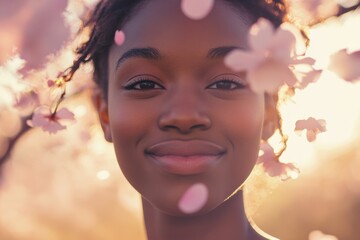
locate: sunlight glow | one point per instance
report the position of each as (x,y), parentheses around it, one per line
(103,175)
(331,98)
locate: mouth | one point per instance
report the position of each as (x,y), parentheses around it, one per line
(185,157)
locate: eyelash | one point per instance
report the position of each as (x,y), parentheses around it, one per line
(239,84)
(132,85)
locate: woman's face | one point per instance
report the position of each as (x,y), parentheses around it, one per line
(176,115)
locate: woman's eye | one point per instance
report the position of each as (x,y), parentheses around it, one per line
(143,85)
(227,85)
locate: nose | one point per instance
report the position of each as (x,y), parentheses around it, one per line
(184,113)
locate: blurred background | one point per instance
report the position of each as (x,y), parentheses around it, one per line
(68,186)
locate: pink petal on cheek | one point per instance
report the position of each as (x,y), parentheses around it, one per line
(194,198)
(119,37)
(196,9)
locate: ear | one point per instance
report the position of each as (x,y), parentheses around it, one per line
(271,118)
(101,106)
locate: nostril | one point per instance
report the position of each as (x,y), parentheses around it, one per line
(184,123)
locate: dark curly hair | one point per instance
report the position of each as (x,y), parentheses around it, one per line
(110,15)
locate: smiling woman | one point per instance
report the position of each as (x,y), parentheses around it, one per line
(186,128)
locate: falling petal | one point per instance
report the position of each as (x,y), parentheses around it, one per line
(197,9)
(194,198)
(119,37)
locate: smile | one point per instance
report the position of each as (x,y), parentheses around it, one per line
(185,157)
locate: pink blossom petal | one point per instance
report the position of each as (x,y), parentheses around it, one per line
(346,65)
(50,122)
(194,198)
(311,123)
(46,123)
(64,113)
(303,61)
(309,77)
(52,127)
(283,46)
(311,135)
(50,83)
(300,44)
(38,120)
(312,126)
(273,167)
(197,9)
(261,34)
(119,37)
(270,76)
(238,60)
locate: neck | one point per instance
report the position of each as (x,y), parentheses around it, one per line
(227,221)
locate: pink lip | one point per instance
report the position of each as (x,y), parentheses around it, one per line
(185,157)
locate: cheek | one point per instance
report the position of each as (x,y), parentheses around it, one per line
(243,121)
(129,123)
(242,128)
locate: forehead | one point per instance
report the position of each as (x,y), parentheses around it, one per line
(162,22)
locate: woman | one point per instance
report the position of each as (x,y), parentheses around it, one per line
(186,129)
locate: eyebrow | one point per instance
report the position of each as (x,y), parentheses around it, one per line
(154,54)
(147,53)
(220,52)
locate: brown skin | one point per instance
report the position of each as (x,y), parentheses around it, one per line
(188,97)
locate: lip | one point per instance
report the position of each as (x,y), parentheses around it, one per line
(185,157)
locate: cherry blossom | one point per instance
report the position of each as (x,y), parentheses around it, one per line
(196,9)
(272,53)
(273,167)
(346,65)
(318,235)
(312,127)
(119,37)
(51,122)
